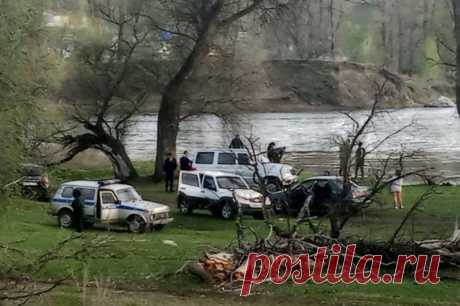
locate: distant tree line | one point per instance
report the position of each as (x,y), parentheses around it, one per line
(399,34)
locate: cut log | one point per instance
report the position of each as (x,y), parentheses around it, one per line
(198,270)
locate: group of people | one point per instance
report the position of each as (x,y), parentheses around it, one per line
(274,154)
(345,157)
(395,183)
(170,164)
(170,167)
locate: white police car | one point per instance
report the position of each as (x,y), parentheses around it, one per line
(217,192)
(109,202)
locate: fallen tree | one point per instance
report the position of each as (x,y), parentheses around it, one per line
(227,269)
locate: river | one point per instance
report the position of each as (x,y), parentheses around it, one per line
(309,136)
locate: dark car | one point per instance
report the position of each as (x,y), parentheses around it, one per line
(317,192)
(35,182)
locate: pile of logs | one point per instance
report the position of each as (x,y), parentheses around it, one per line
(227,269)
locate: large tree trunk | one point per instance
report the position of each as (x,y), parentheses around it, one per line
(170,107)
(456,4)
(332,28)
(122,165)
(167,130)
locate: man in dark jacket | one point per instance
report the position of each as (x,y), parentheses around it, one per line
(236,143)
(360,160)
(78,206)
(185,162)
(169,166)
(274,154)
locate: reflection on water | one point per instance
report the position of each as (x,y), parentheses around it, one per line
(308,136)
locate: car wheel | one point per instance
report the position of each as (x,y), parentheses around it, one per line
(158,227)
(227,210)
(65,218)
(183,206)
(136,224)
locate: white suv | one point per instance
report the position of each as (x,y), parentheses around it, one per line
(237,162)
(215,192)
(108,202)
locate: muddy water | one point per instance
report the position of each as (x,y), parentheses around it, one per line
(435,134)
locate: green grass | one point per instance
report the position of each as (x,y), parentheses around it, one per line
(144,262)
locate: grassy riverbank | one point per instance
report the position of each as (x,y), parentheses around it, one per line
(141,269)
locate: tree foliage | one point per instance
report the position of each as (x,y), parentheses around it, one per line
(107,84)
(23,78)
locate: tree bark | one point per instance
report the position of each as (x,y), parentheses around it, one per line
(168,129)
(332,28)
(112,148)
(122,165)
(399,38)
(456,4)
(170,107)
(311,45)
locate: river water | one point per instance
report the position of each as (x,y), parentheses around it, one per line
(434,133)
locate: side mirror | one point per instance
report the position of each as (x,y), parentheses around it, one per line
(118,202)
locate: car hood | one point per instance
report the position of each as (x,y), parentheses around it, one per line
(146,206)
(282,171)
(247,193)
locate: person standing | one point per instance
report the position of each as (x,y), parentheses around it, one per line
(270,151)
(78,207)
(169,167)
(185,162)
(360,160)
(236,143)
(274,154)
(396,184)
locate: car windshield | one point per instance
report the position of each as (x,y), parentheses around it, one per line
(128,195)
(32,170)
(354,186)
(231,183)
(338,183)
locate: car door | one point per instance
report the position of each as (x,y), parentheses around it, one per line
(89,196)
(108,206)
(324,193)
(190,186)
(209,190)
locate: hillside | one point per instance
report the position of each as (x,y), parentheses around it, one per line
(310,85)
